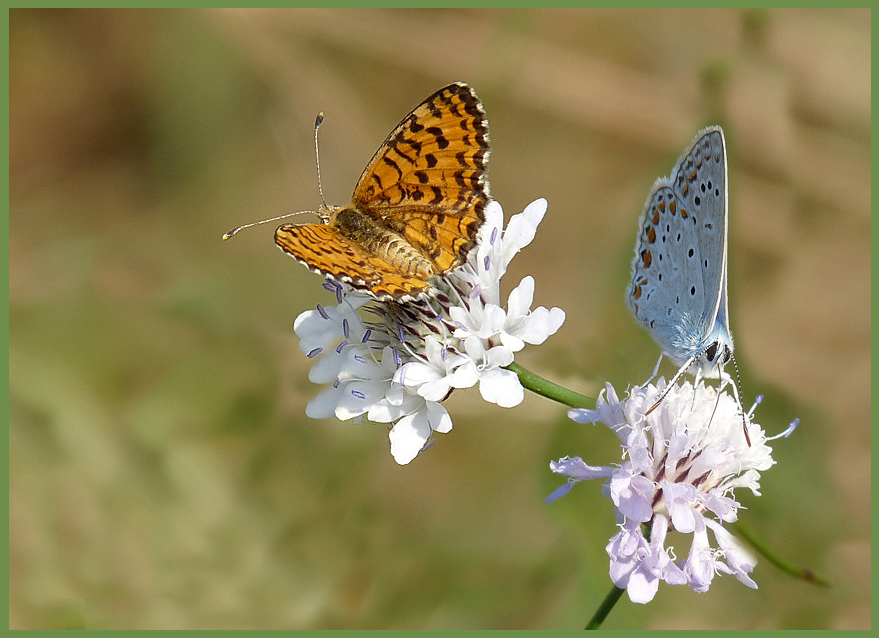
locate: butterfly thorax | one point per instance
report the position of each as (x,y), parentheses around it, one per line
(378,239)
(707,353)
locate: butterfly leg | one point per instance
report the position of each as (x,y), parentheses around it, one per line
(724,380)
(696,379)
(673,381)
(655,369)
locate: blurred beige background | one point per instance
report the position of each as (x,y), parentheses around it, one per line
(162,471)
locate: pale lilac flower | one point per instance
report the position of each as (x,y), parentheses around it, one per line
(680,466)
(400,363)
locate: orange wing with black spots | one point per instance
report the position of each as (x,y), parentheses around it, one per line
(324,250)
(417,208)
(430,176)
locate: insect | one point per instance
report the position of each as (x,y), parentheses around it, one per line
(417,207)
(679,283)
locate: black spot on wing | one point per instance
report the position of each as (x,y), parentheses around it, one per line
(441,141)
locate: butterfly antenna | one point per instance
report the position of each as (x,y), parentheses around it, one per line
(317,122)
(739,383)
(229,234)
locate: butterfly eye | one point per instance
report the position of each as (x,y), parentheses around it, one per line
(711,351)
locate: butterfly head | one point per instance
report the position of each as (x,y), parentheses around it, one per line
(713,358)
(326,213)
(717,349)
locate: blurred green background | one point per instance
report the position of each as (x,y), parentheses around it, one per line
(163,473)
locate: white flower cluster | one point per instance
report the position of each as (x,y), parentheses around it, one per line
(682,463)
(399,366)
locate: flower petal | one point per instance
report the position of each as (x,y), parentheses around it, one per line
(560,491)
(577,469)
(520,299)
(502,387)
(523,227)
(541,324)
(438,417)
(323,405)
(408,436)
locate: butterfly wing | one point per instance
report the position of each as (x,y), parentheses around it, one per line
(679,271)
(428,180)
(700,181)
(664,288)
(324,250)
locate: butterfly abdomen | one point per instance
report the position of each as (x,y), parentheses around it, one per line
(383,242)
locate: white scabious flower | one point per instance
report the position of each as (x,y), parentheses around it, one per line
(681,465)
(398,365)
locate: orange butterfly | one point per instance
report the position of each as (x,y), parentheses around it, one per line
(416,209)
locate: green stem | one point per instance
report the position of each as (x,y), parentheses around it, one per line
(606,605)
(550,390)
(803,573)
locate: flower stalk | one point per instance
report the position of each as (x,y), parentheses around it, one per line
(785,565)
(548,389)
(603,611)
